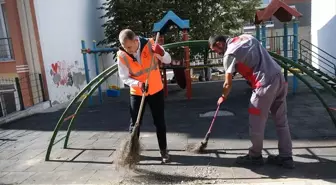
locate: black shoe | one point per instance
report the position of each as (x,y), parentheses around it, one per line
(249,160)
(164,156)
(131,125)
(286,162)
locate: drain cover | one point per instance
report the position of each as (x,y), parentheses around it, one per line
(220,113)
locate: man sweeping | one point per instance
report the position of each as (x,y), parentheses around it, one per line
(134,59)
(244,54)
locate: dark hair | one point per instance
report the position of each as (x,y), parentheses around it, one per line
(217,38)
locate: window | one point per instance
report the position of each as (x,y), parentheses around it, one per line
(5,41)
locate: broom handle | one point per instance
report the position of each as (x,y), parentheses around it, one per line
(146,83)
(213,120)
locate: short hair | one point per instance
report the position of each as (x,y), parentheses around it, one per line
(126,34)
(217,38)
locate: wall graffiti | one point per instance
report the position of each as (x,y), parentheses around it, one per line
(78,79)
(64,74)
(61,73)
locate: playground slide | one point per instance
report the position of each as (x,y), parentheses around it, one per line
(73,108)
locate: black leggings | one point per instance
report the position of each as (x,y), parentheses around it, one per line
(156,104)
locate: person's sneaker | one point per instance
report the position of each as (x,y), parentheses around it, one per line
(249,160)
(164,156)
(286,162)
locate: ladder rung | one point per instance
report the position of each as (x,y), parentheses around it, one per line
(296,69)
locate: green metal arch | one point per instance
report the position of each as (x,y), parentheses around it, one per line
(190,43)
(284,62)
(102,80)
(318,95)
(108,72)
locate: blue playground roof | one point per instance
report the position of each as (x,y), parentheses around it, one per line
(168,19)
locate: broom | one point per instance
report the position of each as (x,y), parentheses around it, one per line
(130,148)
(200,147)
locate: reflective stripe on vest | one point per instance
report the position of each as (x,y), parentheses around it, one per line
(143,71)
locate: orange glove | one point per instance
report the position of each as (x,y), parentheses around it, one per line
(220,100)
(158,49)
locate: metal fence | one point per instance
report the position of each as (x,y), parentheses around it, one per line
(6,49)
(276,44)
(9,98)
(14,95)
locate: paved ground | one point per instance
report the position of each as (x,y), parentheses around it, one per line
(99,130)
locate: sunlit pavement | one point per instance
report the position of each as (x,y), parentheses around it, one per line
(99,129)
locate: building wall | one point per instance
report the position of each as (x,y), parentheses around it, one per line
(61,26)
(304,7)
(35,66)
(323,22)
(17,67)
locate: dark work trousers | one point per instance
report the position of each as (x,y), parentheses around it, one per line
(156,105)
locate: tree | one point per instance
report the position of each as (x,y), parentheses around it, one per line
(206,17)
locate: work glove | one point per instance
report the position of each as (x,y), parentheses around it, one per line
(158,49)
(143,87)
(220,100)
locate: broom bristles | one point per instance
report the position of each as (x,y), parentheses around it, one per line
(130,149)
(196,148)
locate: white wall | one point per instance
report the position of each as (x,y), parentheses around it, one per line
(323,28)
(62,25)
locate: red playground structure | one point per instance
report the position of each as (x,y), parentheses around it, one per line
(182,74)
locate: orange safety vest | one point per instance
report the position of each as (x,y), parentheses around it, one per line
(140,71)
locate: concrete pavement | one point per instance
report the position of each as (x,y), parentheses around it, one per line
(99,130)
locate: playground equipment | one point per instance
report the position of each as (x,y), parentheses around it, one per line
(323,66)
(182,62)
(95,51)
(77,103)
(285,14)
(277,8)
(90,87)
(182,75)
(281,61)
